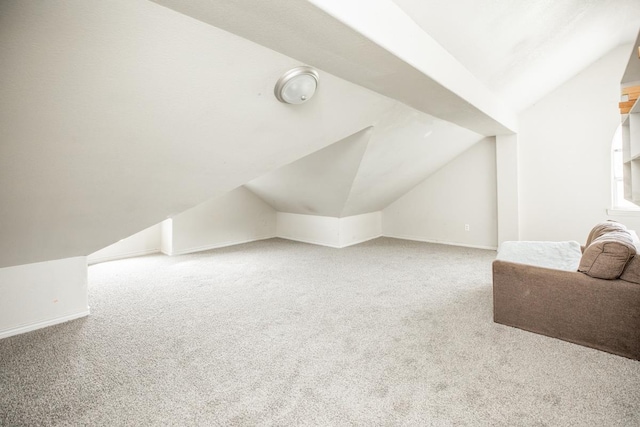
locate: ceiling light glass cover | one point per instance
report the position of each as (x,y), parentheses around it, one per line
(297,85)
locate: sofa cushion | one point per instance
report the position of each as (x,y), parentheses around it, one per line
(608,252)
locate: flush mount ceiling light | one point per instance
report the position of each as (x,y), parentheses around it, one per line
(297,85)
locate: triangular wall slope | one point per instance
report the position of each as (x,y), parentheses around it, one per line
(368,170)
(318,184)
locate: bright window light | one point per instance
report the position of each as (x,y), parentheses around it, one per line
(617,175)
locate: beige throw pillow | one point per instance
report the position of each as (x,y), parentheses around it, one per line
(610,249)
(603,228)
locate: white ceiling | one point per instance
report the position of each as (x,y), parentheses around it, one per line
(373,44)
(515,50)
(523,49)
(633,66)
(368,170)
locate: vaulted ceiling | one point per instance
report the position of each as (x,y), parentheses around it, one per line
(515,52)
(116,115)
(373,44)
(503,55)
(521,50)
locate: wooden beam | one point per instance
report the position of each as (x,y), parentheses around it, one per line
(625,106)
(630,89)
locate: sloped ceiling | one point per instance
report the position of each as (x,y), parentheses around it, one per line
(368,170)
(318,184)
(373,44)
(522,50)
(406,146)
(116,115)
(633,67)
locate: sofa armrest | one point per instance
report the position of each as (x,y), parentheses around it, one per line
(603,314)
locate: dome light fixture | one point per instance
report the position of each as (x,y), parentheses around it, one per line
(297,85)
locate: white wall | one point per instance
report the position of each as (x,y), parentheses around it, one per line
(318,230)
(329,231)
(42,294)
(166,236)
(565,154)
(462,192)
(145,242)
(508,198)
(360,228)
(237,217)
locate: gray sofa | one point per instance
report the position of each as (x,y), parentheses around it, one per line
(601,312)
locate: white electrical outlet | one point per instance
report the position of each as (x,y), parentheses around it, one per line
(466,227)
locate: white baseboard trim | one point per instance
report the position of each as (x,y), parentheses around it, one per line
(217,246)
(311,242)
(98,260)
(43,324)
(295,239)
(357,242)
(440,242)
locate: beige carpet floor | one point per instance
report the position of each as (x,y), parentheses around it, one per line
(279,333)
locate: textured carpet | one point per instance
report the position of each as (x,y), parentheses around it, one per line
(388,332)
